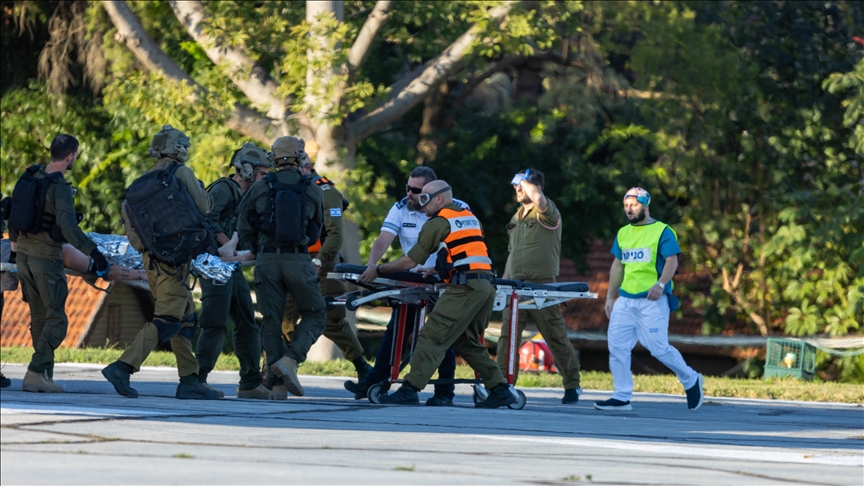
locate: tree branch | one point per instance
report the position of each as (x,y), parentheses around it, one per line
(130,31)
(251,78)
(367,34)
(435,72)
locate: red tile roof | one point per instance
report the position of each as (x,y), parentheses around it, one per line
(81,306)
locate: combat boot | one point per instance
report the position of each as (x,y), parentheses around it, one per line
(439,401)
(359,389)
(405,395)
(190,388)
(5,382)
(118,374)
(39,383)
(362,368)
(206,385)
(279,392)
(257,393)
(500,396)
(286,368)
(571,395)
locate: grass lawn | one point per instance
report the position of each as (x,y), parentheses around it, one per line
(772,388)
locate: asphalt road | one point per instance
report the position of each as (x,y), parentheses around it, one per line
(90,435)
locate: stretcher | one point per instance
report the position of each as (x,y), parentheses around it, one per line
(404,289)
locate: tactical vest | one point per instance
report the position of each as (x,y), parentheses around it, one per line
(163,216)
(230,224)
(284,219)
(639,250)
(316,247)
(463,249)
(27,206)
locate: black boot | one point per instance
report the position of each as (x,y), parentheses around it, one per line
(5,382)
(118,374)
(439,401)
(362,368)
(359,389)
(191,389)
(571,395)
(500,396)
(405,395)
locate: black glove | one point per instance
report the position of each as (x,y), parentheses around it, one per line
(98,263)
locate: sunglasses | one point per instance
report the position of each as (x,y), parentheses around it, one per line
(424,198)
(413,190)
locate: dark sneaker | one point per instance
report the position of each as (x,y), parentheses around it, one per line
(695,394)
(362,368)
(359,389)
(613,404)
(118,374)
(571,395)
(195,391)
(500,396)
(286,368)
(405,395)
(439,401)
(5,382)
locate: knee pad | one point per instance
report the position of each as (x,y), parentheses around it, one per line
(188,331)
(167,327)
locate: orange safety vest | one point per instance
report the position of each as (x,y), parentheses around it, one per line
(316,247)
(464,248)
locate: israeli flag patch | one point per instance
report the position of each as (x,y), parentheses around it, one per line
(335,212)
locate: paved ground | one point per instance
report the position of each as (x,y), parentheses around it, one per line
(90,435)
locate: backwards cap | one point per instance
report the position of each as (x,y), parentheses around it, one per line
(640,194)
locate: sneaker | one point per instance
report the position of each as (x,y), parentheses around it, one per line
(405,395)
(286,368)
(279,392)
(359,389)
(5,382)
(695,394)
(206,385)
(362,368)
(258,393)
(613,404)
(195,391)
(500,396)
(439,401)
(571,395)
(118,374)
(39,383)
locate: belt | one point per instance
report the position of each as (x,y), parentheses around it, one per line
(283,249)
(479,276)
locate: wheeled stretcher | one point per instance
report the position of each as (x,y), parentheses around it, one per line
(404,289)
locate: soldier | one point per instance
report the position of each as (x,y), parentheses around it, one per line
(43,218)
(462,313)
(219,301)
(535,250)
(280,217)
(174,315)
(4,382)
(325,255)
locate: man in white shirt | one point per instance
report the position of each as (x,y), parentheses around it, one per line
(405,220)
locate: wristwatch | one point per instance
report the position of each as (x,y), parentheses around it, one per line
(316,262)
(661,284)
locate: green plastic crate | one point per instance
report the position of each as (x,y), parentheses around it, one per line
(789,357)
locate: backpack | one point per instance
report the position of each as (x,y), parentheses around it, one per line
(163,215)
(26,212)
(285,217)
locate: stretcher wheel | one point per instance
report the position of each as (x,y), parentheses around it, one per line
(373,392)
(480,394)
(351,306)
(521,399)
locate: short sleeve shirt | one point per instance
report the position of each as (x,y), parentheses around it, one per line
(406,225)
(668,247)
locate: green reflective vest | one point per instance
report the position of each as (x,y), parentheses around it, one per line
(639,251)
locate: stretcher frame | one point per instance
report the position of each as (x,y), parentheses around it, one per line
(516,295)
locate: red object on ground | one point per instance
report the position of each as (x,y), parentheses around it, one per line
(535,355)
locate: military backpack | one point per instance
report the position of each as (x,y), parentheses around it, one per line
(27,205)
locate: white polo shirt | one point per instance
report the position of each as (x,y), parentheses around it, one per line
(406,225)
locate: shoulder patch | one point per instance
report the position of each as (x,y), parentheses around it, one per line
(335,212)
(401,204)
(325,187)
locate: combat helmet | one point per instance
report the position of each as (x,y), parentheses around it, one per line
(169,143)
(287,150)
(248,158)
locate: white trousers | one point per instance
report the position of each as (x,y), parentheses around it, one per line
(647,322)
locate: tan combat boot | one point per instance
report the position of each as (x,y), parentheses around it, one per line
(36,383)
(279,392)
(286,368)
(257,393)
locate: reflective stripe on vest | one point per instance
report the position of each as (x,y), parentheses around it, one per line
(466,249)
(639,247)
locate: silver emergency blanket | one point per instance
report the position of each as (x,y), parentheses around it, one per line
(117,250)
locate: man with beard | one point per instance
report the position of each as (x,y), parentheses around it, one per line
(646,258)
(405,220)
(535,250)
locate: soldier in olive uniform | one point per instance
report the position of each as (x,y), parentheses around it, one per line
(325,254)
(174,316)
(232,299)
(40,264)
(279,218)
(535,250)
(462,313)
